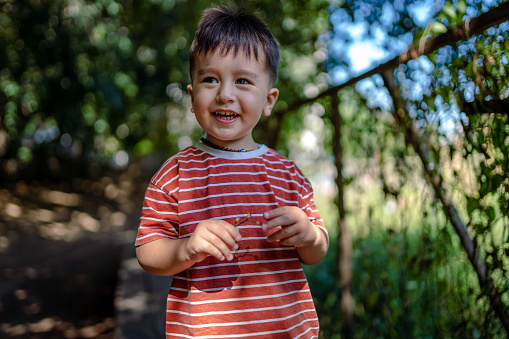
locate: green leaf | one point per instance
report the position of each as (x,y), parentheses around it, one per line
(490,212)
(438,27)
(479,229)
(461,5)
(449,12)
(496,181)
(446,236)
(144,147)
(472,204)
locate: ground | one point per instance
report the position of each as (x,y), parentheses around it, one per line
(61,245)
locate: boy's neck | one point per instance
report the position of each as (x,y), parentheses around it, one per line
(221,148)
(230,145)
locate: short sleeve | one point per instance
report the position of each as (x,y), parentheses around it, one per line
(159,215)
(307,204)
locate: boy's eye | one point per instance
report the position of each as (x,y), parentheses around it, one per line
(243,82)
(210,80)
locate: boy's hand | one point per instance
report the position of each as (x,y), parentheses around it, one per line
(296,230)
(214,237)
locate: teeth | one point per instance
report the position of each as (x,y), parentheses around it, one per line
(226,115)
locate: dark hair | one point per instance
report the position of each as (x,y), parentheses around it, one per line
(229,28)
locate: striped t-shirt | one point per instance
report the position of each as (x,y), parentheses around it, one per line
(262,292)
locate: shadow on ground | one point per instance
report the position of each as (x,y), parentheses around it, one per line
(65,251)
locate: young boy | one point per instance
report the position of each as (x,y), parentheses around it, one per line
(231,219)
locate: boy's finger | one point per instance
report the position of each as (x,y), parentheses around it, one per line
(216,253)
(234,232)
(284,233)
(282,220)
(226,231)
(219,248)
(227,237)
(269,215)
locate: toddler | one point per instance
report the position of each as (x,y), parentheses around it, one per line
(231,219)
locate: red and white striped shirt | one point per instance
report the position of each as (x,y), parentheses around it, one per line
(262,292)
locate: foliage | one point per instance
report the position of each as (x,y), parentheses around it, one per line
(407,283)
(463,109)
(366,31)
(458,98)
(89,85)
(411,278)
(84,81)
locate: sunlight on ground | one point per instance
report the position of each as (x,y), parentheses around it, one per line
(63,215)
(62,198)
(67,330)
(45,229)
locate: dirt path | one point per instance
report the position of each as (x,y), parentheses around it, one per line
(60,251)
(66,299)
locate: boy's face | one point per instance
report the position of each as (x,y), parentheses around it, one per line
(229,94)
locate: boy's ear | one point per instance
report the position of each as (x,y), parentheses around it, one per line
(271,101)
(190,91)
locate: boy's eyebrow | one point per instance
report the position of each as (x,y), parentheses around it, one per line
(243,72)
(202,71)
(239,72)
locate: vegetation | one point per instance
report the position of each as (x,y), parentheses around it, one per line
(87,87)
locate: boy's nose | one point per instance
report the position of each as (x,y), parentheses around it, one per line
(225,93)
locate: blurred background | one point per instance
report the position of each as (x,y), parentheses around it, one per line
(409,162)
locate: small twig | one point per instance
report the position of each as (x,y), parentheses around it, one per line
(248,218)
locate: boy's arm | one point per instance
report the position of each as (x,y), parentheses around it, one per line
(314,254)
(171,256)
(163,256)
(296,230)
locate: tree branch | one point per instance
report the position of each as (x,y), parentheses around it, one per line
(424,46)
(483,106)
(412,138)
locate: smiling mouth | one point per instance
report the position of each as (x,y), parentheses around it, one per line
(225,115)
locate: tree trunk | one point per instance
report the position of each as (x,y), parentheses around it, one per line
(412,138)
(344,242)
